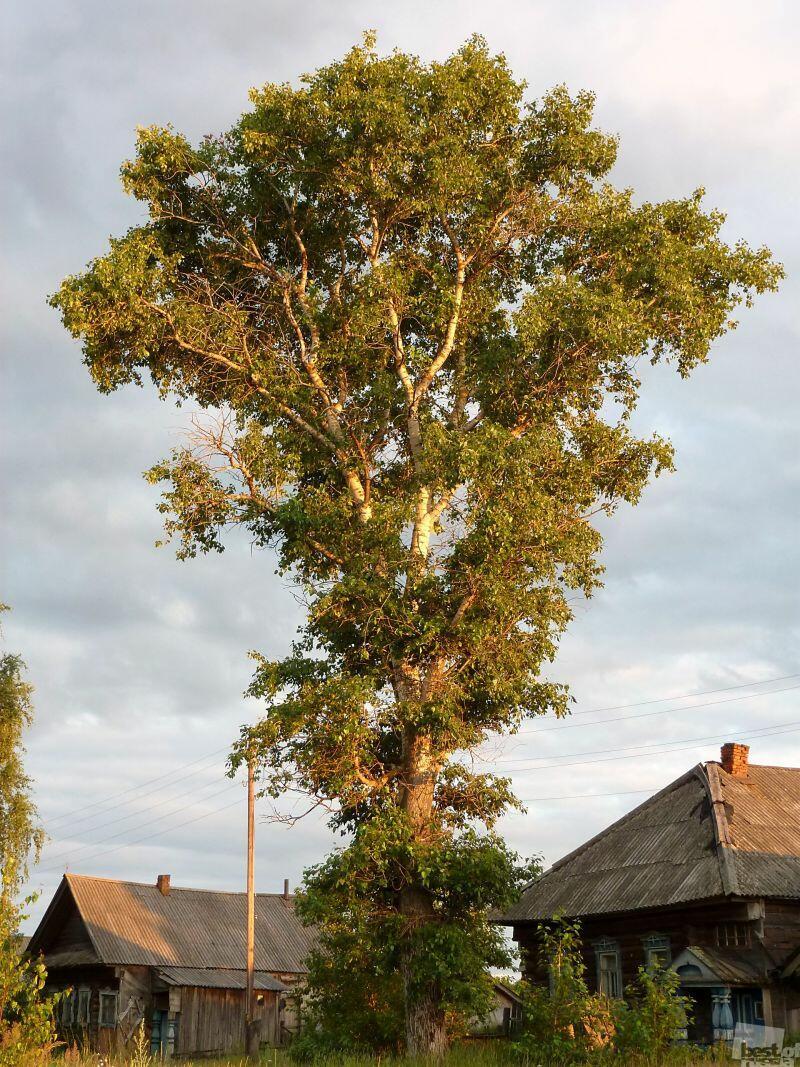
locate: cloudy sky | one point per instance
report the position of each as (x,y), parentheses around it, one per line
(140,661)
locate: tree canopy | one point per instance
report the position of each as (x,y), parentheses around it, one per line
(410,307)
(20,835)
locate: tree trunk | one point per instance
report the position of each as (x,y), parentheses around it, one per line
(426,1034)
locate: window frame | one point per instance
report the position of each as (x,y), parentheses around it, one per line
(733,934)
(68,1007)
(84,999)
(657,951)
(609,949)
(105,994)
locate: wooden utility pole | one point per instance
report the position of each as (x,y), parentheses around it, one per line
(250,1022)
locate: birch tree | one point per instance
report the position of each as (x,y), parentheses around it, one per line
(410,309)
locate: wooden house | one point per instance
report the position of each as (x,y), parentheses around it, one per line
(170,958)
(703,877)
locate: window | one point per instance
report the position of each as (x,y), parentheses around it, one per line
(84,1000)
(657,952)
(108,1009)
(733,935)
(609,971)
(68,1008)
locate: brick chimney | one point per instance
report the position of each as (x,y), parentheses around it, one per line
(733,758)
(162,882)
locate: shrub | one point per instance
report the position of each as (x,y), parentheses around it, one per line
(653,1016)
(27,1027)
(564,1023)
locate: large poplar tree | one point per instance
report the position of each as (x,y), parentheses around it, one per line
(412,308)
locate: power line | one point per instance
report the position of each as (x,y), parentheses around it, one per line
(686,696)
(148,822)
(104,802)
(776,731)
(661,711)
(585,796)
(147,837)
(135,788)
(156,804)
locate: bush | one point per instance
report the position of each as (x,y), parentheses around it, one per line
(653,1016)
(27,1027)
(564,1023)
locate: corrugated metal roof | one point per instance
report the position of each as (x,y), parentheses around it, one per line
(730,966)
(216,978)
(134,923)
(706,835)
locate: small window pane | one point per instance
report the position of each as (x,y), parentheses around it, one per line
(108,1009)
(733,935)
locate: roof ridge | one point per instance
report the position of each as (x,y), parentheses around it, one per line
(709,776)
(70,876)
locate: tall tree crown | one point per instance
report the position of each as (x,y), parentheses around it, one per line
(419,307)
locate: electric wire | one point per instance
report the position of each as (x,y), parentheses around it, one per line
(135,789)
(686,696)
(105,802)
(696,743)
(131,829)
(661,711)
(147,837)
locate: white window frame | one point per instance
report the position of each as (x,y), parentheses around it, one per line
(606,949)
(105,993)
(657,952)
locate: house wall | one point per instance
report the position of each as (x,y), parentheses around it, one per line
(683,926)
(774,934)
(95,979)
(212,1020)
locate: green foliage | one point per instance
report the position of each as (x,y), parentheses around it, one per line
(20,837)
(562,1022)
(26,1016)
(412,307)
(355,975)
(27,1020)
(653,1015)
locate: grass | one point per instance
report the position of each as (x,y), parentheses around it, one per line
(496,1053)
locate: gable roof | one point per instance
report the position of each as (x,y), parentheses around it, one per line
(707,835)
(130,923)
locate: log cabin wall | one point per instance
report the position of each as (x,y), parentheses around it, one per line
(90,1033)
(683,927)
(781,927)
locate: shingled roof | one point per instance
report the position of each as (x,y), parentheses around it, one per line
(130,923)
(708,835)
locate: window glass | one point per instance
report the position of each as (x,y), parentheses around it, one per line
(733,935)
(68,1008)
(84,999)
(609,978)
(108,1009)
(657,952)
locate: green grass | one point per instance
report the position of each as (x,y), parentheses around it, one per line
(495,1053)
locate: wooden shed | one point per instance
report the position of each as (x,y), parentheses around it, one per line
(169,959)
